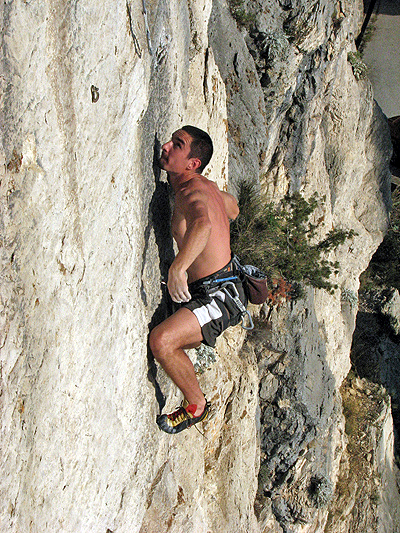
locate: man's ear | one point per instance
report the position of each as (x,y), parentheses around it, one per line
(194,163)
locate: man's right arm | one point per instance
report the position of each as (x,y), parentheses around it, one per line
(231,205)
(198,228)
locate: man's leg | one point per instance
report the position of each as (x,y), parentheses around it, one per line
(167,343)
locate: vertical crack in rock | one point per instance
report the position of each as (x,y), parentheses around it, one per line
(60,36)
(136,43)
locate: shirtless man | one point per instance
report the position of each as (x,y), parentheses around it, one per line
(200,227)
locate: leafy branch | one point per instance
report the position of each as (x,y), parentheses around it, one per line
(282,240)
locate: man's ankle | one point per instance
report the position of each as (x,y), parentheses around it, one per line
(200,409)
(200,405)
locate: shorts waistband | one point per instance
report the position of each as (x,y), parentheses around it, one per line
(226,271)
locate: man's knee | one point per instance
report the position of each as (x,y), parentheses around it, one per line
(158,341)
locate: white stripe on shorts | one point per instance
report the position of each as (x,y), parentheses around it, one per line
(209,312)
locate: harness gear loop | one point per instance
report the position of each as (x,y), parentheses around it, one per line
(239,304)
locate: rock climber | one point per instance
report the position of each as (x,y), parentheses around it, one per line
(202,277)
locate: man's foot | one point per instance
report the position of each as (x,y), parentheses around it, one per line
(182,418)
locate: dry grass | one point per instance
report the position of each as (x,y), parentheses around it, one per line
(357,491)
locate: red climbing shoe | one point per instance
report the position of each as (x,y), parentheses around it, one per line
(182,418)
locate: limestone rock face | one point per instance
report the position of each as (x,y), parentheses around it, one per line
(366,496)
(89,91)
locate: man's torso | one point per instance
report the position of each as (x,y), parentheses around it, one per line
(217,252)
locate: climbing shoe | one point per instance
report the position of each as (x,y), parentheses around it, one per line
(182,418)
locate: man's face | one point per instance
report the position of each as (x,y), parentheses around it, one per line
(175,153)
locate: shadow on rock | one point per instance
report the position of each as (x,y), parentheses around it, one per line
(375,355)
(159,217)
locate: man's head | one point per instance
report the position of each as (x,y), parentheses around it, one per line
(190,149)
(201,146)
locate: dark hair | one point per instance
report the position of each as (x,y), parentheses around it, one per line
(201,145)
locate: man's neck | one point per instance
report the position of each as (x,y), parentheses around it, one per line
(177,180)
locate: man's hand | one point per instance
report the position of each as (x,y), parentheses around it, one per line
(178,286)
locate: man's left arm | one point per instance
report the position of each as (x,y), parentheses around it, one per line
(231,205)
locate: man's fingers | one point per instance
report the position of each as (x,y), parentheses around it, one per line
(183,296)
(186,296)
(178,287)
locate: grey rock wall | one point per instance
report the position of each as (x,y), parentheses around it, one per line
(89,91)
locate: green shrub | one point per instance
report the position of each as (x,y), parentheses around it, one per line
(240,14)
(280,239)
(359,67)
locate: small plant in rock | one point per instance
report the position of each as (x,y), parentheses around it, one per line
(274,46)
(281,239)
(205,357)
(320,491)
(347,295)
(243,18)
(357,64)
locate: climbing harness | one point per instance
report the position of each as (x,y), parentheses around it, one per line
(239,304)
(223,284)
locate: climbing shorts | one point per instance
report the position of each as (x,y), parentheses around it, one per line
(213,302)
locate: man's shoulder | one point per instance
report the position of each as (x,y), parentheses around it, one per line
(198,184)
